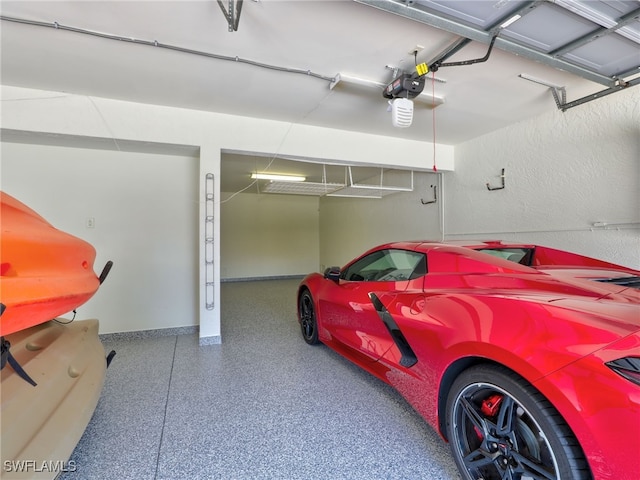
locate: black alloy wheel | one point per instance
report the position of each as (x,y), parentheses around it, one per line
(307,316)
(501,428)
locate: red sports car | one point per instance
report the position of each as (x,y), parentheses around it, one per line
(526,359)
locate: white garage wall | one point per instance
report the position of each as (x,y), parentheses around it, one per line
(145,211)
(268,235)
(564,172)
(54,114)
(349,226)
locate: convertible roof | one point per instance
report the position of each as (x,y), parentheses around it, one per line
(428,244)
(445,258)
(454,257)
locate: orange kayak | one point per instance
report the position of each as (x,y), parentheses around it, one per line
(44,272)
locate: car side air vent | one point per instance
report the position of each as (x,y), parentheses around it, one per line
(628,367)
(632,282)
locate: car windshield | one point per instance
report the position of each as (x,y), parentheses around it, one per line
(387,266)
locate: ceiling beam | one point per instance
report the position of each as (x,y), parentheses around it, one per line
(597,33)
(411,10)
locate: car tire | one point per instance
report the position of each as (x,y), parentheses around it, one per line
(307,317)
(499,426)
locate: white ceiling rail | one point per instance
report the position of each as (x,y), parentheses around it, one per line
(381,184)
(349,192)
(377,190)
(359,182)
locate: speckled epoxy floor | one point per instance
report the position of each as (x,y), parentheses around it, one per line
(262,405)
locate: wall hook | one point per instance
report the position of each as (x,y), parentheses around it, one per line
(489,187)
(435,196)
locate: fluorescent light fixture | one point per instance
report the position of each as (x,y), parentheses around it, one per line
(301,188)
(278,177)
(513,19)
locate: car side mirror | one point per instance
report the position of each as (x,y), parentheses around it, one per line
(332,273)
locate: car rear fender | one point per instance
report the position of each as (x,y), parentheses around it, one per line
(602,409)
(459,359)
(446,380)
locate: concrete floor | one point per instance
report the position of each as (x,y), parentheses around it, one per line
(262,405)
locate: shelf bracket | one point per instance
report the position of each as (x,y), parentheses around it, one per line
(233,14)
(489,187)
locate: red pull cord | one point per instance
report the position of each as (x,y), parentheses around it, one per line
(433,111)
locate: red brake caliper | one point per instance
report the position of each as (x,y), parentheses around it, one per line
(489,408)
(491,405)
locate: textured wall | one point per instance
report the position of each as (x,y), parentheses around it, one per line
(564,172)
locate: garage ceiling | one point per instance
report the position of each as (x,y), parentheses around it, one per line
(324,63)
